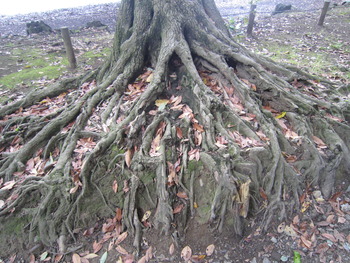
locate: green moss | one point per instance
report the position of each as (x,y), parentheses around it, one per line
(194,165)
(15,225)
(147,178)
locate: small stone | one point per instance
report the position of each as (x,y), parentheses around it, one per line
(266,260)
(274,240)
(284,258)
(253,260)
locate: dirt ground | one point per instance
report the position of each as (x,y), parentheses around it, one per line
(319,231)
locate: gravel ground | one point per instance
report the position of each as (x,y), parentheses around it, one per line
(75,18)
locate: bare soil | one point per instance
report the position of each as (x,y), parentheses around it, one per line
(320,232)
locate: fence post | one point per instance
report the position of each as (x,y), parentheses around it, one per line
(324,12)
(69,48)
(251,19)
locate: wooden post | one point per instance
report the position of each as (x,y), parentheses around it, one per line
(324,12)
(251,19)
(69,48)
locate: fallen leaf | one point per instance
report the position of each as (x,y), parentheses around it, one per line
(121,250)
(280,116)
(331,219)
(341,220)
(290,231)
(198,127)
(146,216)
(149,253)
(104,257)
(43,256)
(90,256)
(263,194)
(330,237)
(128,157)
(121,238)
(149,78)
(161,104)
(115,186)
(182,195)
(31,258)
(210,250)
(179,133)
(76,258)
(9,185)
(178,209)
(244,199)
(58,258)
(319,142)
(306,242)
(186,253)
(281,227)
(96,246)
(172,249)
(2,203)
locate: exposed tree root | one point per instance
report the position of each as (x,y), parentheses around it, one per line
(218,131)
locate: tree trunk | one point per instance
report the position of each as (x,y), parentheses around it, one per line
(192,124)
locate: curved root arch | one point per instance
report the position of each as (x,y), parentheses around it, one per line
(207,112)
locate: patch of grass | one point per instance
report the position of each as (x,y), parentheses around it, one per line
(36,65)
(315,62)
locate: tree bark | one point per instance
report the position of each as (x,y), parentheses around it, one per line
(189,121)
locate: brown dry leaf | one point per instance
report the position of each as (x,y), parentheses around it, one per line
(263,194)
(58,258)
(176,101)
(172,249)
(142,260)
(96,246)
(341,220)
(198,138)
(76,258)
(197,258)
(31,258)
(331,219)
(330,237)
(244,198)
(9,185)
(115,186)
(121,238)
(322,248)
(108,227)
(186,253)
(178,209)
(128,156)
(121,250)
(179,133)
(348,238)
(198,127)
(339,236)
(319,142)
(149,253)
(182,195)
(90,256)
(210,250)
(306,242)
(296,220)
(118,214)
